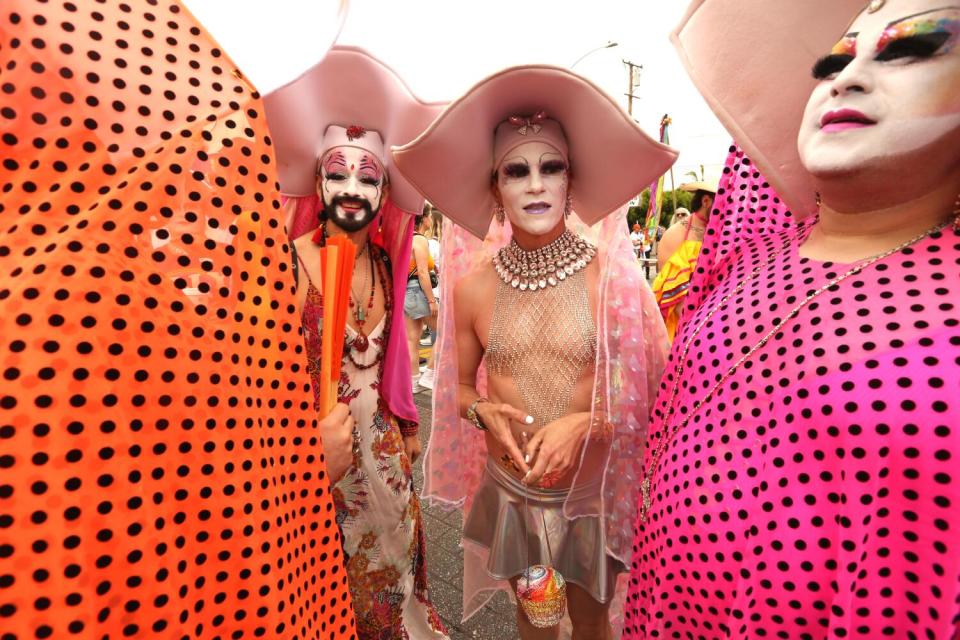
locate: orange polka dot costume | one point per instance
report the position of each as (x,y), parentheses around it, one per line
(161,471)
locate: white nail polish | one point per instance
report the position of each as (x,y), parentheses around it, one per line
(528,420)
(526,458)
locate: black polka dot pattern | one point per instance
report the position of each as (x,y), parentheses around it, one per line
(814,495)
(161,474)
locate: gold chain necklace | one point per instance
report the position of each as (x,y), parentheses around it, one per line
(665,442)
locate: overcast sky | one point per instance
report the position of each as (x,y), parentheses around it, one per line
(442,47)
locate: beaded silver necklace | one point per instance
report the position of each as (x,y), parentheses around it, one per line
(546,266)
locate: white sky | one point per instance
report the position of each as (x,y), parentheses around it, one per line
(442,47)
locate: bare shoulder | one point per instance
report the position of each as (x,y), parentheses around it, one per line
(304,244)
(675,232)
(309,254)
(476,289)
(420,241)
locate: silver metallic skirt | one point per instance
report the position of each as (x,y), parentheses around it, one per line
(577,546)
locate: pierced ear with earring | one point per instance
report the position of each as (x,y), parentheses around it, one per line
(568,206)
(500,214)
(819,202)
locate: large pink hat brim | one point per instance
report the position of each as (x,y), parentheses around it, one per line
(752,61)
(612,158)
(348,87)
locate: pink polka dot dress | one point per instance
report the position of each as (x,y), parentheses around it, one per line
(813,496)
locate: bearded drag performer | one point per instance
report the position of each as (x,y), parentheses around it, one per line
(332,128)
(801,467)
(153,413)
(553,344)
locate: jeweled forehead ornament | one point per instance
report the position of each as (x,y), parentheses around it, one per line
(875,5)
(534,122)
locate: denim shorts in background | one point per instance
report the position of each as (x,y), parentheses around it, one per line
(415,303)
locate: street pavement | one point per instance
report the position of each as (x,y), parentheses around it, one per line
(496,621)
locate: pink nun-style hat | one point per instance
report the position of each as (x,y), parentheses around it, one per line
(348,98)
(752,61)
(612,159)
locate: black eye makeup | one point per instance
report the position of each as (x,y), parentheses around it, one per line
(552,167)
(831,65)
(918,46)
(515,170)
(334,176)
(919,37)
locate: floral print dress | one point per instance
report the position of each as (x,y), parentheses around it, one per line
(377,509)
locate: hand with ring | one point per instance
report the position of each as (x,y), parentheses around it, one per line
(555,449)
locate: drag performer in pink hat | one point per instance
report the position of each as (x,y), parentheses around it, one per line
(800,478)
(553,344)
(332,128)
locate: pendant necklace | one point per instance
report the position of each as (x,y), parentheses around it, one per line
(361,343)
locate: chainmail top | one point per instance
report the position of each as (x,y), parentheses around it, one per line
(544,340)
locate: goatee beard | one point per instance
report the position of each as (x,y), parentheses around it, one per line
(349,224)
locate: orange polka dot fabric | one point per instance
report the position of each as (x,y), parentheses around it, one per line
(161,472)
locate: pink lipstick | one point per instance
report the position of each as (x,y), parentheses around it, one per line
(844,119)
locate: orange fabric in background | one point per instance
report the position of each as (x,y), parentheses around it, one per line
(161,473)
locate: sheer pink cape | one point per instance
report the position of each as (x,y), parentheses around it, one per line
(631,351)
(392,230)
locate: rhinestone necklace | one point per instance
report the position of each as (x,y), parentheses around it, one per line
(546,266)
(664,443)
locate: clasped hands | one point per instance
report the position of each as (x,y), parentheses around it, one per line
(546,456)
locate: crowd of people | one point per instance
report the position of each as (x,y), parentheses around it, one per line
(759,444)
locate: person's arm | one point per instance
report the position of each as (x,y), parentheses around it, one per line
(671,241)
(421,255)
(494,416)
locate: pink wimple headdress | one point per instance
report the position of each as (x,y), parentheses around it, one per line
(518,130)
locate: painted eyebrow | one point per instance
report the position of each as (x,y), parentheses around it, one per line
(367,163)
(922,13)
(515,160)
(556,157)
(335,159)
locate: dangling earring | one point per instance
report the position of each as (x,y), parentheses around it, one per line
(568,207)
(500,214)
(819,202)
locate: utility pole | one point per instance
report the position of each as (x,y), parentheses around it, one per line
(633,81)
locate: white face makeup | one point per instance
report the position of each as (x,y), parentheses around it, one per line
(532,180)
(888,89)
(351,185)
